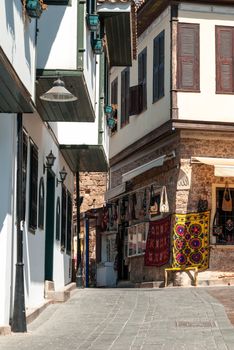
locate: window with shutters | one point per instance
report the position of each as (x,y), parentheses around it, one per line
(135,99)
(69,223)
(114,103)
(64,217)
(24,168)
(41,203)
(188,57)
(125,76)
(158,67)
(33,185)
(142,76)
(224,59)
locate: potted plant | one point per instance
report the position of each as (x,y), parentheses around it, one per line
(97,46)
(34,8)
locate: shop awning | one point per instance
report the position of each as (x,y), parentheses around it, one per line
(115,191)
(147,166)
(222,166)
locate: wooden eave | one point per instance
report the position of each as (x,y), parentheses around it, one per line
(14,97)
(151,9)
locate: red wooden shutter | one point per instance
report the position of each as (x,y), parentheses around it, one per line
(224,59)
(188,57)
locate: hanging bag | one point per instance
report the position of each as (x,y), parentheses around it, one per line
(154,209)
(227,199)
(164,206)
(217,229)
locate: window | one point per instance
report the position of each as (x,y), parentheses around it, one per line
(224,219)
(33,183)
(142,76)
(158,67)
(188,53)
(125,97)
(137,236)
(64,214)
(41,204)
(24,168)
(114,102)
(58,219)
(69,223)
(224,59)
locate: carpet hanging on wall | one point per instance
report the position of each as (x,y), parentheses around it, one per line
(190,239)
(157,251)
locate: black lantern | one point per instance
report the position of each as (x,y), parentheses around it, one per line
(49,161)
(63,175)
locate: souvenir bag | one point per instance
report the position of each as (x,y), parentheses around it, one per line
(227,199)
(217,229)
(164,206)
(154,209)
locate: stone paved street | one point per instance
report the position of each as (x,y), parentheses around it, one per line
(136,319)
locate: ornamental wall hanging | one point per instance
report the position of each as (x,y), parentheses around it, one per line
(190,239)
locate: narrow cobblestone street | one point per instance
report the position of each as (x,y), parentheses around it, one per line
(136,319)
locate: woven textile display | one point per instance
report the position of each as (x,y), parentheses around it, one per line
(191,240)
(157,251)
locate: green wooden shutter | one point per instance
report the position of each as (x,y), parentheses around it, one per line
(188,57)
(161,65)
(33,186)
(69,223)
(142,75)
(224,59)
(64,217)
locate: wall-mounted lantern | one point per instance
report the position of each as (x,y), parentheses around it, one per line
(97,46)
(63,175)
(49,162)
(93,22)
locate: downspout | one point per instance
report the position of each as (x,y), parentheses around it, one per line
(101,101)
(173,63)
(19,315)
(78,259)
(80,34)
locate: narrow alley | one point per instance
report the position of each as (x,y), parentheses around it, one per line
(136,319)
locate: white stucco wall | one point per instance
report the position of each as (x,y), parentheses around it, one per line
(17,40)
(57,38)
(34,248)
(157,113)
(7,219)
(206,105)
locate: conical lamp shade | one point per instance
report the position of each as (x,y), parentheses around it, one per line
(58,93)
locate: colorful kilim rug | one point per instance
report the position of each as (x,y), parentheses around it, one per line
(157,251)
(191,240)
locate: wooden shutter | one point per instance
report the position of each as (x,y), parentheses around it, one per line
(24,168)
(58,219)
(69,224)
(158,67)
(224,59)
(188,57)
(125,97)
(64,216)
(33,186)
(142,75)
(41,204)
(135,99)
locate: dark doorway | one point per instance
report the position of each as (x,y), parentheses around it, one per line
(49,232)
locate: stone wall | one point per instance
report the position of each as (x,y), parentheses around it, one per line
(183,192)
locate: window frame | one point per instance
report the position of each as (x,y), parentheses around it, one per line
(58,220)
(41,204)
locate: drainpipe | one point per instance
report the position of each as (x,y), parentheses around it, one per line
(78,259)
(101,100)
(174,26)
(19,316)
(80,34)
(86,252)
